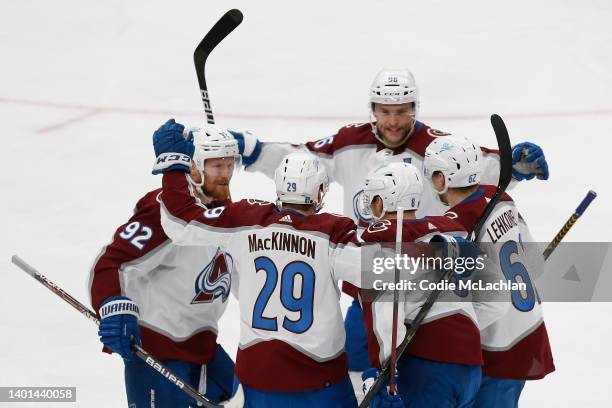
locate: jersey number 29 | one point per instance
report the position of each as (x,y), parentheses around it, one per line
(302,304)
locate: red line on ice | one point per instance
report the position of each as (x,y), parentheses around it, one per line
(92,110)
(70,121)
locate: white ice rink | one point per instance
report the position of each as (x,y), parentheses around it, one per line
(85,83)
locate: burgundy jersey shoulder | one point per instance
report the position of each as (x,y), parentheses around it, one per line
(469,210)
(413,230)
(243,213)
(143,231)
(358,134)
(341,229)
(148,203)
(425,134)
(141,234)
(446,224)
(422,137)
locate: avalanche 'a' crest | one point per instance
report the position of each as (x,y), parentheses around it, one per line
(215,279)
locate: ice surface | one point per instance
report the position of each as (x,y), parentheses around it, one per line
(85,83)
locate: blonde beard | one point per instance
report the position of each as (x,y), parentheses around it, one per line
(207,198)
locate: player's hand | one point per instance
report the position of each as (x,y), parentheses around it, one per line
(248,146)
(173,149)
(383,399)
(119,325)
(528,161)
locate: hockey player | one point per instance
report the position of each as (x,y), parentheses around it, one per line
(514,338)
(291,258)
(442,364)
(169,298)
(393,133)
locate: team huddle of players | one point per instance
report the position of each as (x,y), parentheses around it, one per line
(165,279)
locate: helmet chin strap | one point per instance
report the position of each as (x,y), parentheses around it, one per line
(380,217)
(199,187)
(192,181)
(382,139)
(319,203)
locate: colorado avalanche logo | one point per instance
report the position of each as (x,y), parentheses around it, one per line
(379,226)
(436,133)
(215,279)
(361,208)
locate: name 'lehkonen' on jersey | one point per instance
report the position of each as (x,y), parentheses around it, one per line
(283,241)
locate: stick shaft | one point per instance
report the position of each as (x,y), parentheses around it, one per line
(139,351)
(398,251)
(586,201)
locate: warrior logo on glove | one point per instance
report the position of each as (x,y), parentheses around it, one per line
(215,279)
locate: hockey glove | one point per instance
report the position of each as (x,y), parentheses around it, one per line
(383,399)
(119,325)
(528,161)
(459,247)
(173,149)
(248,146)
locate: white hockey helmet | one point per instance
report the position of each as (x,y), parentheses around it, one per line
(398,184)
(212,142)
(458,158)
(299,178)
(394,87)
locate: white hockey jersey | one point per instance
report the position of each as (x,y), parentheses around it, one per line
(354,151)
(449,333)
(181,291)
(514,338)
(289,266)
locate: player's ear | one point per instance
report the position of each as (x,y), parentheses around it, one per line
(195,174)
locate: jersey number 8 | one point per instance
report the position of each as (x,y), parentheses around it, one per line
(302,304)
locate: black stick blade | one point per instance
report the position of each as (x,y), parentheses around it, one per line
(217,33)
(505,171)
(505,150)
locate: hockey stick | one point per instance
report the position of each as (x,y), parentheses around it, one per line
(139,351)
(505,175)
(398,251)
(586,201)
(217,33)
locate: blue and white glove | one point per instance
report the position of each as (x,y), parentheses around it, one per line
(173,149)
(528,161)
(249,146)
(459,247)
(383,399)
(119,325)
